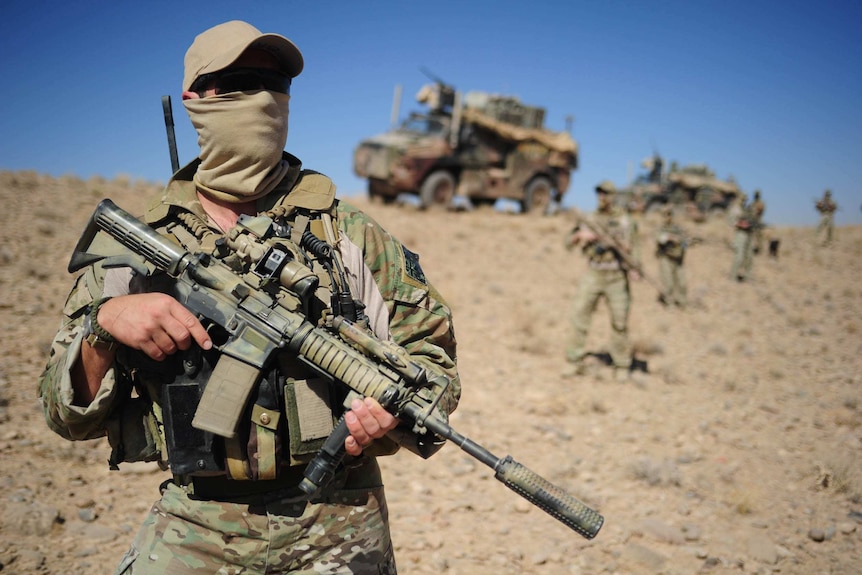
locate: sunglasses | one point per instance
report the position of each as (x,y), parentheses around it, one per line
(243,80)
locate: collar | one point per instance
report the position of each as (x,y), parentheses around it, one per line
(181,193)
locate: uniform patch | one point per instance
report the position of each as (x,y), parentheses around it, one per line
(412,267)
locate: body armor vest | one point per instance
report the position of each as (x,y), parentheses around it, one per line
(292,409)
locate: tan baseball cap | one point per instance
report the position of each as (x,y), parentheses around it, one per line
(217,48)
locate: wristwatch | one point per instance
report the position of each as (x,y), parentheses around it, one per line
(94,334)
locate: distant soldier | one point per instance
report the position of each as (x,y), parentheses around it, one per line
(607,277)
(671,245)
(742,243)
(757,209)
(827,209)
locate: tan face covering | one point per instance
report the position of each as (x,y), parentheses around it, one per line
(241,136)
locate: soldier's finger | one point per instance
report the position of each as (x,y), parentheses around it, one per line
(165,342)
(352,447)
(153,351)
(191,326)
(357,430)
(368,418)
(385,420)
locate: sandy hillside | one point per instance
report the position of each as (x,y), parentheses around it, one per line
(738,450)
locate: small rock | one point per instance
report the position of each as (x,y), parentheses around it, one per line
(762,548)
(691,532)
(650,559)
(539,558)
(87,515)
(846,528)
(30,518)
(663,532)
(816,534)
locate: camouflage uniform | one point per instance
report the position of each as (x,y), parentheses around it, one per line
(670,251)
(743,246)
(250,524)
(758,207)
(606,277)
(827,208)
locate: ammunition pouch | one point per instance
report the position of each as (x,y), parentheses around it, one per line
(285,423)
(190,451)
(133,433)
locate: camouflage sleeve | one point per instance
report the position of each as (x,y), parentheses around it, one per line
(635,243)
(55,384)
(631,239)
(419,318)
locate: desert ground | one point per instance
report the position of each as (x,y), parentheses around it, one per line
(737,449)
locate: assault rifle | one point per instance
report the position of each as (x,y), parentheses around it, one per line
(609,241)
(260,312)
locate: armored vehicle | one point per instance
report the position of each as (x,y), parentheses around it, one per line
(694,186)
(477,146)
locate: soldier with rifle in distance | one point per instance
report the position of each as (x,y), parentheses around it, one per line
(609,241)
(671,245)
(743,243)
(264,341)
(758,208)
(826,207)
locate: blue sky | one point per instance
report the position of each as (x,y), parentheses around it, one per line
(767,91)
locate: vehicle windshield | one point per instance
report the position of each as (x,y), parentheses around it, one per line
(423,125)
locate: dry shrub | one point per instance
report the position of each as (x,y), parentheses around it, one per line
(656,473)
(596,405)
(841,474)
(718,349)
(849,417)
(742,502)
(775,374)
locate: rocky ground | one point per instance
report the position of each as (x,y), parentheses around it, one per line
(737,451)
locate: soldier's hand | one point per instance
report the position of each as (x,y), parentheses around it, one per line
(585,235)
(154,323)
(634,275)
(367,421)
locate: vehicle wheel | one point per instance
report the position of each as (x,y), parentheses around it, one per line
(437,190)
(378,190)
(538,196)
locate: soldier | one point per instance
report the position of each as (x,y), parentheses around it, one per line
(742,243)
(827,208)
(671,245)
(606,277)
(757,209)
(120,334)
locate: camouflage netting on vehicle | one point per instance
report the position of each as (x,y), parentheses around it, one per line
(695,181)
(557,141)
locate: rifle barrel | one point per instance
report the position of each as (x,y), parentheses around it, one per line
(551,499)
